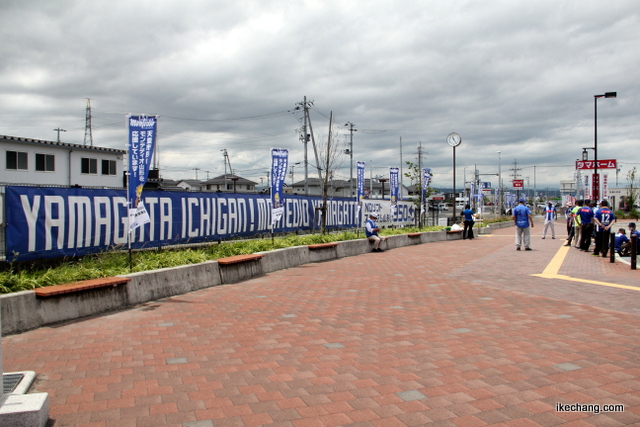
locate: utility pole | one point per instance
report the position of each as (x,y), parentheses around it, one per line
(401,175)
(515,174)
(349,151)
(226,161)
(88,137)
(59,130)
(305,139)
(423,202)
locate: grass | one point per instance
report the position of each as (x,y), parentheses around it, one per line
(117,263)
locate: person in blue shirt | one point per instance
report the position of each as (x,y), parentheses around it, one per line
(626,246)
(522,218)
(371,231)
(604,220)
(468,214)
(586,219)
(550,216)
(621,239)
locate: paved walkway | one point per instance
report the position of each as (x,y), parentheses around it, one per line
(456,333)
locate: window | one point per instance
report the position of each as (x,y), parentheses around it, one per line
(45,162)
(108,167)
(89,166)
(17,160)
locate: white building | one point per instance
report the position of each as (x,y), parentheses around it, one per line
(49,163)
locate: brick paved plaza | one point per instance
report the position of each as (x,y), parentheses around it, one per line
(455,333)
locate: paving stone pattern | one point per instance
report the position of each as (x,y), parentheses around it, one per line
(455,333)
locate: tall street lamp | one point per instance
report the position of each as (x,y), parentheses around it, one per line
(382,181)
(596,178)
(499,201)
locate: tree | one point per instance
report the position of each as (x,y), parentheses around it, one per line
(415,175)
(633,189)
(328,159)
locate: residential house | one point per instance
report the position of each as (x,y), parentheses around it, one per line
(230,183)
(49,163)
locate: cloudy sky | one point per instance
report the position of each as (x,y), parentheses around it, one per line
(511,76)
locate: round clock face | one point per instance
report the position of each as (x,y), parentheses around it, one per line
(453,139)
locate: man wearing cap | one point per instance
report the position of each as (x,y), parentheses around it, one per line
(522,218)
(371,231)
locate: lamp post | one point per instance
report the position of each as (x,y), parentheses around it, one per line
(499,201)
(596,178)
(382,181)
(234,179)
(292,167)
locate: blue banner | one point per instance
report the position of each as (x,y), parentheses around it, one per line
(393,187)
(360,182)
(141,143)
(279,164)
(426,179)
(55,222)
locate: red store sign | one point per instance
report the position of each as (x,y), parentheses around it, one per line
(602,164)
(518,183)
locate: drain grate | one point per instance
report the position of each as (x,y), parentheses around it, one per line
(10,382)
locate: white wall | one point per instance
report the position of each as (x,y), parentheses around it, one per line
(67,166)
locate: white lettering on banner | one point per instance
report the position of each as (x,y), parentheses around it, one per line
(252,213)
(205,216)
(191,201)
(50,223)
(183,234)
(55,220)
(232,215)
(121,217)
(81,204)
(263,214)
(242,206)
(221,228)
(289,211)
(296,214)
(31,215)
(100,205)
(166,218)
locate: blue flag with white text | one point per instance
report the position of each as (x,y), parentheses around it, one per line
(279,164)
(141,142)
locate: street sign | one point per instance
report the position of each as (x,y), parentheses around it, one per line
(518,183)
(602,164)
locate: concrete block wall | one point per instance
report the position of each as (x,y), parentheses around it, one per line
(22,311)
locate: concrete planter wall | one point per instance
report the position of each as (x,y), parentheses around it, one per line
(22,311)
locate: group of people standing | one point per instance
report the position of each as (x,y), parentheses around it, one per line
(587,221)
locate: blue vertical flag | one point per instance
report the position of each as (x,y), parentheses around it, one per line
(360,186)
(426,179)
(141,143)
(279,164)
(394,186)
